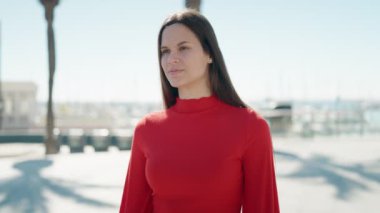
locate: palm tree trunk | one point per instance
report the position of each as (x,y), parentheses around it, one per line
(193,4)
(51,143)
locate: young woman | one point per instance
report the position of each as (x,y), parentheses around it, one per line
(207,151)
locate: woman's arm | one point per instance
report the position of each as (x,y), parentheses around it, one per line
(260,190)
(137,193)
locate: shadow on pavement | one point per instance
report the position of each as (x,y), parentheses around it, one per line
(334,174)
(24,193)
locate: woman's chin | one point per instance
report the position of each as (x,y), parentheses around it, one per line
(175,84)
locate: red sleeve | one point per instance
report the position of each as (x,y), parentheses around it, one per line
(260,190)
(137,193)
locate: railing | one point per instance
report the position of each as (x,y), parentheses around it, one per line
(77,139)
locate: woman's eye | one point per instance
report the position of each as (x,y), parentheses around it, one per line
(164,51)
(183,48)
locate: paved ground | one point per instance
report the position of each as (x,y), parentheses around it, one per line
(325,175)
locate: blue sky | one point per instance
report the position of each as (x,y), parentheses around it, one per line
(106,50)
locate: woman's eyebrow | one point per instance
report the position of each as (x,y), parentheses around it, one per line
(179,44)
(182,42)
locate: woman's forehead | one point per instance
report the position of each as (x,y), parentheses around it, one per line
(176,34)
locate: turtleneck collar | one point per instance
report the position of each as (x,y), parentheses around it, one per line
(195,104)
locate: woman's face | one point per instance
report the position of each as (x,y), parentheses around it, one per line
(182,57)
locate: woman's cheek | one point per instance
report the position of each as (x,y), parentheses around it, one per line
(163,62)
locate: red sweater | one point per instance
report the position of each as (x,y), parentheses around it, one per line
(201,156)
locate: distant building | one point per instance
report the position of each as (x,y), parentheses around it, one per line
(19,105)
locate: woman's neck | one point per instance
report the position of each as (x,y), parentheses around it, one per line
(194,93)
(197,89)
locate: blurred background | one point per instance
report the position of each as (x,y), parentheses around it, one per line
(311,68)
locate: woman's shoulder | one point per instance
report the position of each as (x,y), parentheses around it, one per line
(245,117)
(255,119)
(152,118)
(246,112)
(257,125)
(254,115)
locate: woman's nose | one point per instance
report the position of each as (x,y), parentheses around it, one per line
(173,58)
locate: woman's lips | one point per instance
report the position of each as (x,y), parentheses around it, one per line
(174,71)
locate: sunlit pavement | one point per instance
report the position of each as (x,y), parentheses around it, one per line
(313,176)
(328,175)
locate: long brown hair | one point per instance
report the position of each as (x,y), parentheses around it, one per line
(221,85)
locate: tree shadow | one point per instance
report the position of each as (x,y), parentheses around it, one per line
(337,175)
(24,193)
